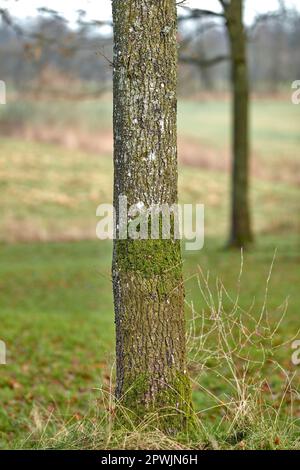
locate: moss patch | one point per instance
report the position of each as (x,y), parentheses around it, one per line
(149,257)
(158,412)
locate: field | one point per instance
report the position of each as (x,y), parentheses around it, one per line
(56,311)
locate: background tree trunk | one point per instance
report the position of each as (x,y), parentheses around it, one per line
(147,274)
(241,233)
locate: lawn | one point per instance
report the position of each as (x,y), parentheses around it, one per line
(56,311)
(57,321)
(274,126)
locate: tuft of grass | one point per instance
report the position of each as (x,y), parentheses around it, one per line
(232,360)
(234,356)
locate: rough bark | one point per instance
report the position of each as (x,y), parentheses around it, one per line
(241,233)
(147,274)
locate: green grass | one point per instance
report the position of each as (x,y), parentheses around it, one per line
(50,193)
(87,114)
(56,311)
(274,123)
(57,321)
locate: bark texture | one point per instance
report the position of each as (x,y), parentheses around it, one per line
(241,233)
(147,274)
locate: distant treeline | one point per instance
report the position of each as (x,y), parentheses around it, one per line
(47,54)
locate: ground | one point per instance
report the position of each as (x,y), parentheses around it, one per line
(56,312)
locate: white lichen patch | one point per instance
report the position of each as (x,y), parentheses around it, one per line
(166,30)
(139,205)
(152,156)
(162,124)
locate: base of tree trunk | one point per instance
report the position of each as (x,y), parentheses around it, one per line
(151,362)
(240,242)
(135,407)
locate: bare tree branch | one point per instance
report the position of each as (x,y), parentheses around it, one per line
(225,4)
(199,13)
(204,63)
(200,31)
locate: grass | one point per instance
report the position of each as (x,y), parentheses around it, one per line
(50,193)
(56,319)
(56,312)
(274,124)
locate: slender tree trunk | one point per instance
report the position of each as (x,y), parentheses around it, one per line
(147,274)
(241,233)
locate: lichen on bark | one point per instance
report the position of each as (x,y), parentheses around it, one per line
(147,274)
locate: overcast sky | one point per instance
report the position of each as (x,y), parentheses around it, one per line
(101,9)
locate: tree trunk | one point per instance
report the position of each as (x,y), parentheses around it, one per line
(147,274)
(241,233)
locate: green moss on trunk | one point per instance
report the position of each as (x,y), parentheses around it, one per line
(171,408)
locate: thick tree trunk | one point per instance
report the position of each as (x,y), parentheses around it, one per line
(241,233)
(147,274)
